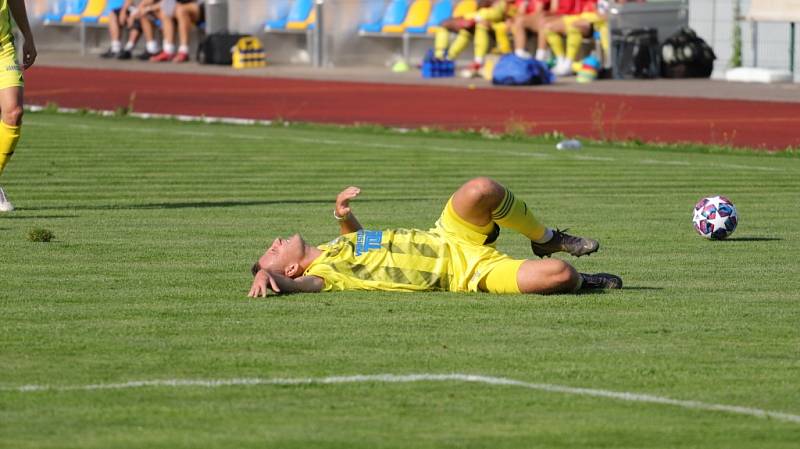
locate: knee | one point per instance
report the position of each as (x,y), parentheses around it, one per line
(13,116)
(564,275)
(484,190)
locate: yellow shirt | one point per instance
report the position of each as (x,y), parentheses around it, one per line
(5,23)
(390,260)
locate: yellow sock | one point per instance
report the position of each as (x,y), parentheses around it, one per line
(602,28)
(9,136)
(481,42)
(513,213)
(440,41)
(574,40)
(501,36)
(556,44)
(459,44)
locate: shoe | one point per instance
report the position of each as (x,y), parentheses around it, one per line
(5,205)
(145,56)
(473,71)
(181,57)
(162,57)
(124,55)
(563,68)
(561,241)
(600,281)
(109,54)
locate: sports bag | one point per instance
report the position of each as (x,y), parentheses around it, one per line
(217,48)
(636,53)
(685,55)
(511,70)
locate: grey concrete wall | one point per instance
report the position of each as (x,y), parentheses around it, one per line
(714,20)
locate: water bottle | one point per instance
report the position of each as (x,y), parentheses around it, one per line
(569,144)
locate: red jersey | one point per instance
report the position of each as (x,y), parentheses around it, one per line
(568,7)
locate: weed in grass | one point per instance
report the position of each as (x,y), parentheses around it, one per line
(40,235)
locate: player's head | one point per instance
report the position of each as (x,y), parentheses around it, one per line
(285,256)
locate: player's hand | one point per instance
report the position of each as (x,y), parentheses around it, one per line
(343,201)
(263,283)
(28,54)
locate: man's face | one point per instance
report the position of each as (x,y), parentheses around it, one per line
(283,253)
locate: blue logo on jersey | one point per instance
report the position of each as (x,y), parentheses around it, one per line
(367,241)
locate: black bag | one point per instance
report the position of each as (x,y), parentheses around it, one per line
(684,55)
(636,53)
(217,48)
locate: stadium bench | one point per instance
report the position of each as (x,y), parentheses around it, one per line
(398,22)
(81,14)
(298,18)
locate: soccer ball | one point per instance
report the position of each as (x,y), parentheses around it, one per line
(715,217)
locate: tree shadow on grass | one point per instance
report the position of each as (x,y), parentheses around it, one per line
(209,204)
(36,217)
(751,239)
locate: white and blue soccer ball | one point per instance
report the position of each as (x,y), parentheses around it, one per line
(715,217)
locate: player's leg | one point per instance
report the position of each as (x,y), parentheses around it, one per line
(114,33)
(186,14)
(544,277)
(500,29)
(147,25)
(167,17)
(483,202)
(10,125)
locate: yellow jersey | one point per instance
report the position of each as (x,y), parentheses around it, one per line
(5,23)
(404,260)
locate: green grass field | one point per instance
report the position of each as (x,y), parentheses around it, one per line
(156,224)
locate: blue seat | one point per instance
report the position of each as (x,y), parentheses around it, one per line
(60,8)
(442,10)
(395,15)
(371,14)
(103,16)
(279,14)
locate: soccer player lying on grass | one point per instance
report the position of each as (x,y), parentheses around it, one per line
(456,255)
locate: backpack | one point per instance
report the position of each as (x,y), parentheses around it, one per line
(684,55)
(217,48)
(636,53)
(511,70)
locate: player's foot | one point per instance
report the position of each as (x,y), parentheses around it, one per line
(109,54)
(5,205)
(472,71)
(145,56)
(561,241)
(563,68)
(181,56)
(162,57)
(125,55)
(600,281)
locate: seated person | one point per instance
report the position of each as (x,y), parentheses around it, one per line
(186,13)
(578,19)
(456,255)
(530,15)
(490,14)
(127,18)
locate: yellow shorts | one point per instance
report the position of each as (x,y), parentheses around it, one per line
(472,260)
(10,70)
(591,17)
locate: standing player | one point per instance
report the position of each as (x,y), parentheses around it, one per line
(11,81)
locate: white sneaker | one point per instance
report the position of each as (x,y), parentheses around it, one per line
(5,205)
(563,68)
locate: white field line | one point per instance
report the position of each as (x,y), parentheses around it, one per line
(408,378)
(440,149)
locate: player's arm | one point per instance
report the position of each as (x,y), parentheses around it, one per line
(20,14)
(266,281)
(344,214)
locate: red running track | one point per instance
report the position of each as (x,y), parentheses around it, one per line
(769,125)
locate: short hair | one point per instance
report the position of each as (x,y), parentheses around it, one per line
(255,268)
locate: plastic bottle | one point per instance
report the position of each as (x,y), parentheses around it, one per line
(569,144)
